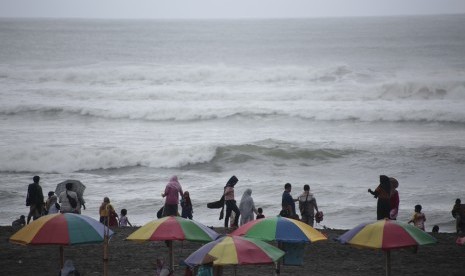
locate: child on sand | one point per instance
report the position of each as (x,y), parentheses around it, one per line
(418,218)
(123,219)
(260,214)
(186,206)
(19,222)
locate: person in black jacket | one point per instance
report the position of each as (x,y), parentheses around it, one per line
(383,194)
(34,199)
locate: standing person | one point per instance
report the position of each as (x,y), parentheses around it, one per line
(172,192)
(51,204)
(186,206)
(394,200)
(418,218)
(247,207)
(112,215)
(307,206)
(68,200)
(383,194)
(231,202)
(123,219)
(34,199)
(103,212)
(458,212)
(288,203)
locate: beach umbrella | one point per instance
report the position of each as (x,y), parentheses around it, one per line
(173,229)
(386,235)
(235,250)
(280,229)
(78,187)
(61,229)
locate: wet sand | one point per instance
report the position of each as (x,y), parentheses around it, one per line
(322,258)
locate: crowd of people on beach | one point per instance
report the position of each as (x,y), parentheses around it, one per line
(69,201)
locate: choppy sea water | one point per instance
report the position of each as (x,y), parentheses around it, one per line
(123,105)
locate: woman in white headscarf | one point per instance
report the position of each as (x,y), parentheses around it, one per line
(247,207)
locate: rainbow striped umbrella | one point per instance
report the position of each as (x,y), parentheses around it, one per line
(61,229)
(386,235)
(235,250)
(280,229)
(173,229)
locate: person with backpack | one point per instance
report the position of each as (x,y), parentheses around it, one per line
(68,200)
(307,206)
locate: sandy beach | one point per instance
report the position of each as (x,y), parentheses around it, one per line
(321,258)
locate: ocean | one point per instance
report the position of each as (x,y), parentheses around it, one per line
(122,105)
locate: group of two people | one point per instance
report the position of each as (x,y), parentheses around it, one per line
(173,191)
(307,205)
(246,210)
(108,215)
(70,201)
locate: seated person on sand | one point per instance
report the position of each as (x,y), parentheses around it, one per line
(19,222)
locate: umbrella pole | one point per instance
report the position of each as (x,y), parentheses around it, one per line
(62,257)
(106,233)
(388,263)
(278,264)
(170,243)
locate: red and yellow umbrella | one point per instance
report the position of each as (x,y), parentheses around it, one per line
(386,235)
(61,229)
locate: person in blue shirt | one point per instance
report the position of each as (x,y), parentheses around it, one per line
(288,203)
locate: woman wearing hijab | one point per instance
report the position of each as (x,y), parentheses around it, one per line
(231,202)
(383,194)
(172,192)
(247,207)
(394,201)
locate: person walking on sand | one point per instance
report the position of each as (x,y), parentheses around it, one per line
(231,202)
(247,207)
(172,192)
(383,194)
(418,218)
(307,206)
(394,199)
(34,199)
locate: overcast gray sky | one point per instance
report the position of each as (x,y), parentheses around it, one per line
(224,8)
